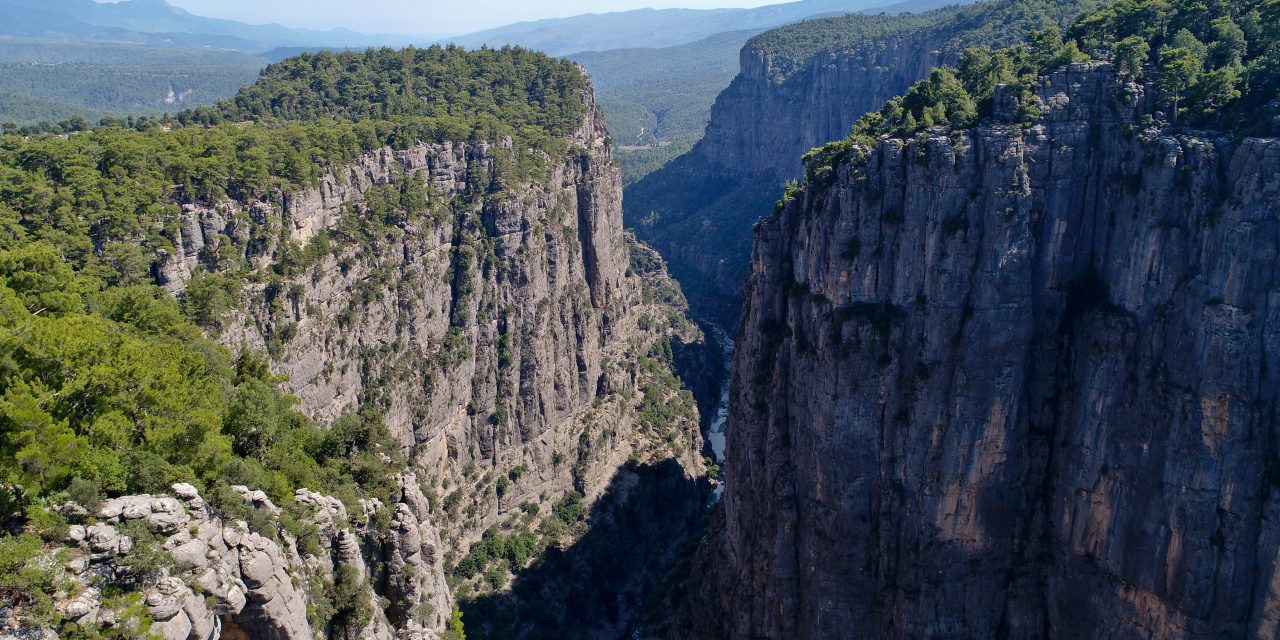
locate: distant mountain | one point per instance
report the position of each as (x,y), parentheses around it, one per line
(657,27)
(156,22)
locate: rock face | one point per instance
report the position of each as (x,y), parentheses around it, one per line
(500,332)
(699,210)
(1014,383)
(226,581)
(761,126)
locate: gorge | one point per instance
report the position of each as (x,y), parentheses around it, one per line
(799,87)
(367,352)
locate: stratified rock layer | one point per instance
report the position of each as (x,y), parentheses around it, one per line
(1014,383)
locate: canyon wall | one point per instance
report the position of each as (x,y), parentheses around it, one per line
(498,328)
(763,123)
(1018,382)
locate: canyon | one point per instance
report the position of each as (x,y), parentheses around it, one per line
(794,92)
(512,339)
(373,350)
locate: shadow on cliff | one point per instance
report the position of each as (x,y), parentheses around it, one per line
(599,587)
(700,218)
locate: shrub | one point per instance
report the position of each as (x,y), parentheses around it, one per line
(29,578)
(147,559)
(353,608)
(86,493)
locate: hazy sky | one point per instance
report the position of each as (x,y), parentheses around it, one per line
(425,16)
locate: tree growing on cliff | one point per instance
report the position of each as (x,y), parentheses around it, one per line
(1179,70)
(1130,53)
(454,629)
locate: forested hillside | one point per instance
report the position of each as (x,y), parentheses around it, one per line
(110,385)
(55,80)
(662,94)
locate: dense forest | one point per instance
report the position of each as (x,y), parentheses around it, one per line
(1211,65)
(989,23)
(51,81)
(108,385)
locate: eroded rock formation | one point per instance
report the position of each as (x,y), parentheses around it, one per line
(225,580)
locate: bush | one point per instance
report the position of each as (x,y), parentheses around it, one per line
(147,559)
(29,578)
(47,524)
(353,608)
(86,493)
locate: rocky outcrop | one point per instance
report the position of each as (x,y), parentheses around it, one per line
(209,576)
(200,575)
(1014,382)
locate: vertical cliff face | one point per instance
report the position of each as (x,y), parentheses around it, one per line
(698,210)
(799,87)
(1014,383)
(764,122)
(494,329)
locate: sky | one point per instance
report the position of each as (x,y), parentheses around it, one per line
(425,17)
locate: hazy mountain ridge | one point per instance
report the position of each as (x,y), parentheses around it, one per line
(653,28)
(160,23)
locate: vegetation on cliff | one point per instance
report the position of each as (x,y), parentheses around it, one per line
(1214,65)
(996,23)
(106,199)
(108,385)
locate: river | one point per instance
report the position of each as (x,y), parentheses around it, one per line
(716,430)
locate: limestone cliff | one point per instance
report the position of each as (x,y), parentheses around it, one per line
(1014,382)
